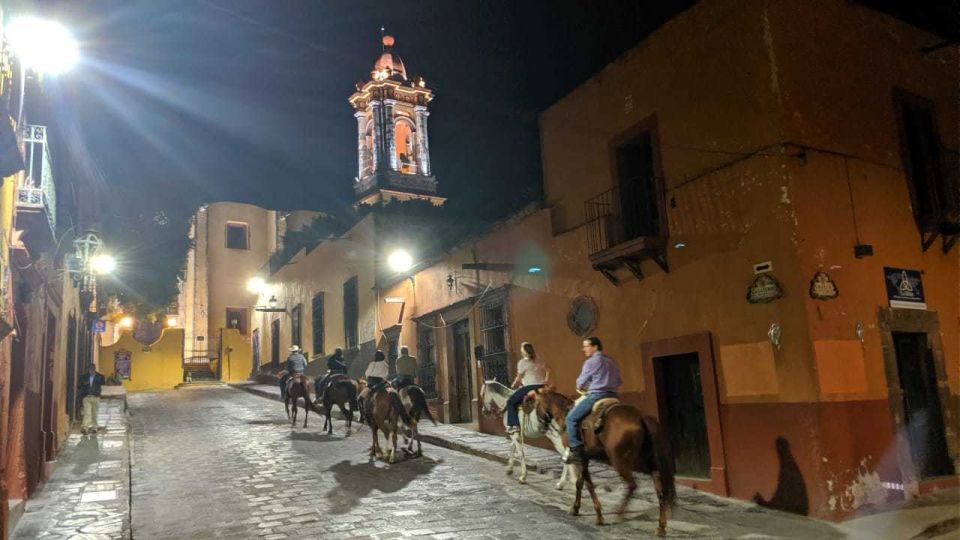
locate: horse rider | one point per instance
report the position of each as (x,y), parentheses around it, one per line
(532,373)
(377,372)
(406,369)
(296,365)
(335,366)
(599,378)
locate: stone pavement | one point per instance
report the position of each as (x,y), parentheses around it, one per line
(87,496)
(699,515)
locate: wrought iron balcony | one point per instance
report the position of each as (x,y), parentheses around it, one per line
(36,201)
(619,233)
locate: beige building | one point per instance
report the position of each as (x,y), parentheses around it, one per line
(231,243)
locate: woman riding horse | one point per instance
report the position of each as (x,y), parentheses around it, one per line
(533,373)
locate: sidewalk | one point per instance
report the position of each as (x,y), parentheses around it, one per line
(87,496)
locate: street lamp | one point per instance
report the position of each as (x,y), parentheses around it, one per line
(400,261)
(41,45)
(256,285)
(103,264)
(171,322)
(126,322)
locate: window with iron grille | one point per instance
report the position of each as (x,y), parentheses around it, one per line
(317,323)
(427,365)
(493,335)
(351,313)
(296,322)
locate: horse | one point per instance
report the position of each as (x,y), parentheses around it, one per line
(415,403)
(628,440)
(493,400)
(295,389)
(383,410)
(340,391)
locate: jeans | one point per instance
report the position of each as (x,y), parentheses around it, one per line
(91,407)
(401,381)
(580,411)
(513,404)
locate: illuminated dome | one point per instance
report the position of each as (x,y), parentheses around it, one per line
(389,65)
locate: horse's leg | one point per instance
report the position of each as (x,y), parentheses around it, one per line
(523,457)
(585,477)
(393,447)
(512,454)
(557,441)
(578,491)
(662,524)
(286,406)
(622,466)
(306,407)
(374,447)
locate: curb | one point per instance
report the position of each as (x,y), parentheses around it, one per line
(424,437)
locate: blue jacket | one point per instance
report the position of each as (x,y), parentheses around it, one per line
(296,363)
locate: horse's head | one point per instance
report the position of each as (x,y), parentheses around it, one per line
(491,400)
(550,403)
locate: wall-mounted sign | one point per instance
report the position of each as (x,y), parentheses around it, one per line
(904,288)
(764,289)
(822,287)
(98,327)
(121,363)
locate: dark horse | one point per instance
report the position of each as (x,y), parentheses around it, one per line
(340,391)
(384,411)
(295,389)
(629,441)
(415,402)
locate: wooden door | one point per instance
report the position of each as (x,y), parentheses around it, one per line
(682,412)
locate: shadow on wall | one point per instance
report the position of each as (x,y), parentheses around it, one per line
(791,492)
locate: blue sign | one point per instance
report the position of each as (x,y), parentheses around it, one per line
(904,288)
(98,327)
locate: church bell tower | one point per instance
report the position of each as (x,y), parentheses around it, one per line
(393,144)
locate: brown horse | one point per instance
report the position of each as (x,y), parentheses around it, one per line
(629,441)
(295,389)
(340,391)
(384,411)
(415,402)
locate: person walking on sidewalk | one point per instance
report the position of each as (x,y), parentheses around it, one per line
(532,373)
(90,388)
(599,378)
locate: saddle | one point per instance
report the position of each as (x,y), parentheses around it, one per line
(599,412)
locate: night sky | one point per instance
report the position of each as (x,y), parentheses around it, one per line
(179,102)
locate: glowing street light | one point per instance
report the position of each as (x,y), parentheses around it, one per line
(103,264)
(43,45)
(400,261)
(171,322)
(256,285)
(126,322)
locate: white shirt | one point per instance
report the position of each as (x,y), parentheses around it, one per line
(532,371)
(378,369)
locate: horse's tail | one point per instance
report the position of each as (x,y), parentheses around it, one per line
(663,461)
(419,400)
(397,405)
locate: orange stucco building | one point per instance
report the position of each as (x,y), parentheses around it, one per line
(745,207)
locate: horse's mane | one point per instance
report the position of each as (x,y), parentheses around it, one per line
(498,387)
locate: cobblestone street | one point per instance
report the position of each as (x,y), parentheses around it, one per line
(223,463)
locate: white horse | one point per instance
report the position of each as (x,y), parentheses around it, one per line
(495,394)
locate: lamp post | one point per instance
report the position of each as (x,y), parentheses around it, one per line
(41,45)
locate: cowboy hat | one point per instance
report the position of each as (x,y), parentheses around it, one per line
(295,348)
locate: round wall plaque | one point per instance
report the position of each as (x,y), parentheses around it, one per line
(582,316)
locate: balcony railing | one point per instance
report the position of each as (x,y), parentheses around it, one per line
(623,231)
(38,193)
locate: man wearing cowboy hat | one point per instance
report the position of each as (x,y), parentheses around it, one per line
(296,364)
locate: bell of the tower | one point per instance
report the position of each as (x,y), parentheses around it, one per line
(393,144)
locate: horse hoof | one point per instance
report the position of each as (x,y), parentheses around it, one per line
(560,486)
(509,472)
(599,521)
(522,480)
(574,511)
(661,531)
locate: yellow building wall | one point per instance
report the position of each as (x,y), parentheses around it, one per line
(159,368)
(236,362)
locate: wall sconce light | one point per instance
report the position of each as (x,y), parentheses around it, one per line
(451,281)
(774,333)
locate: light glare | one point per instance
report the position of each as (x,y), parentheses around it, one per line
(400,261)
(43,45)
(126,322)
(256,285)
(171,321)
(103,264)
